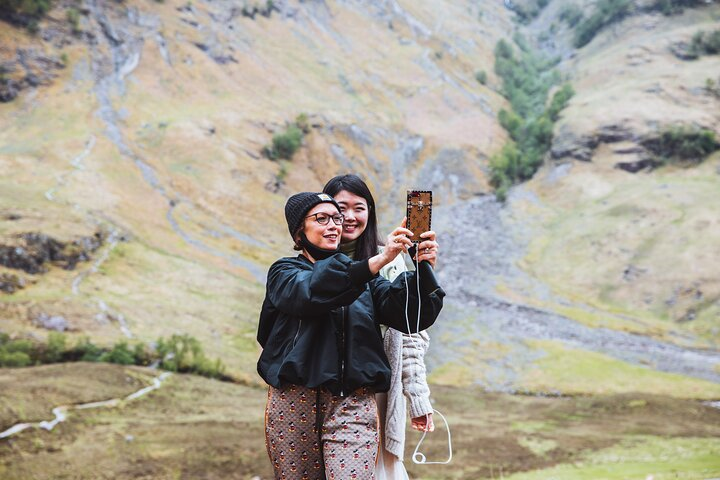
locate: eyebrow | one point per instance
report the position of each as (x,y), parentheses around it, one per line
(363,203)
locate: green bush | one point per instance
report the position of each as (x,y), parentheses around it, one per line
(712,87)
(683,145)
(14,359)
(559,101)
(527,10)
(55,348)
(481,77)
(23,346)
(705,43)
(119,354)
(73,16)
(303,123)
(179,353)
(526,81)
(86,351)
(15,353)
(674,7)
(30,8)
(183,353)
(526,78)
(571,14)
(606,13)
(285,144)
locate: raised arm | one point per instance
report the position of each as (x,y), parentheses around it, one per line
(298,289)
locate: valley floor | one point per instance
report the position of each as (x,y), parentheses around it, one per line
(192,427)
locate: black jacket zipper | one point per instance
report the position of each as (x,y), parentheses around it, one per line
(342,353)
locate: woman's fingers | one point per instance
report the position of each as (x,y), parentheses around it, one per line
(429,235)
(401,231)
(429,245)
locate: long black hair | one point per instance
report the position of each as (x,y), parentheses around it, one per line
(367,243)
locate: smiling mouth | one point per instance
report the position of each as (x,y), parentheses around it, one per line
(331,236)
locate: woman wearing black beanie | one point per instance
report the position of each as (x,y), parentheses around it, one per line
(322,347)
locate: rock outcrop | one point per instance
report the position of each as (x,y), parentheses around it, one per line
(31,252)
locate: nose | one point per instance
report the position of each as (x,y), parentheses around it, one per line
(349,215)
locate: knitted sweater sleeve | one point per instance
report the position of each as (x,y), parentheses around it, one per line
(414,379)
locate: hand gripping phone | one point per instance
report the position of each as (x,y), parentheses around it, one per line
(419,213)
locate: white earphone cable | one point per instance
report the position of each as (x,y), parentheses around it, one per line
(418,457)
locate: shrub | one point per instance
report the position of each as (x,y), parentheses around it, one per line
(30,8)
(303,123)
(526,81)
(704,43)
(673,7)
(23,346)
(86,351)
(481,77)
(120,354)
(712,87)
(606,13)
(571,14)
(285,144)
(683,145)
(526,78)
(14,359)
(528,10)
(15,353)
(559,101)
(55,348)
(183,353)
(73,16)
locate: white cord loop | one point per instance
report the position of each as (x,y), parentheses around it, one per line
(419,458)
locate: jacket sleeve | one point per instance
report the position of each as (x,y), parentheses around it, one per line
(329,284)
(414,380)
(391,298)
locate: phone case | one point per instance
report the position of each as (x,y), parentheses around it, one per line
(419,213)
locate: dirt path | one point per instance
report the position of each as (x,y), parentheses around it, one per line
(61,411)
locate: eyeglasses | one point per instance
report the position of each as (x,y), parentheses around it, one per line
(324,218)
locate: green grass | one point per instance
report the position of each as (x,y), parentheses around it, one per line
(640,458)
(575,371)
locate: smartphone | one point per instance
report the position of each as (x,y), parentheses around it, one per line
(419,213)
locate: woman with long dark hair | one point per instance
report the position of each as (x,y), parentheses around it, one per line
(406,354)
(323,356)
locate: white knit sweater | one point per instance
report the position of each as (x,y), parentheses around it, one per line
(406,354)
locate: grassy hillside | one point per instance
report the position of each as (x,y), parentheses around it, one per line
(638,245)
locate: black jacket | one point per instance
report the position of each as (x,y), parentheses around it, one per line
(319,324)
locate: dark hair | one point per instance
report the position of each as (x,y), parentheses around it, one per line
(367,243)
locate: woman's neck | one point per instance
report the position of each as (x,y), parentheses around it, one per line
(348,248)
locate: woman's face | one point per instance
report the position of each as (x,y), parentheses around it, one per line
(355,209)
(323,236)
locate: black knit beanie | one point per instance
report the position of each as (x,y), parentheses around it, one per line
(299,204)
